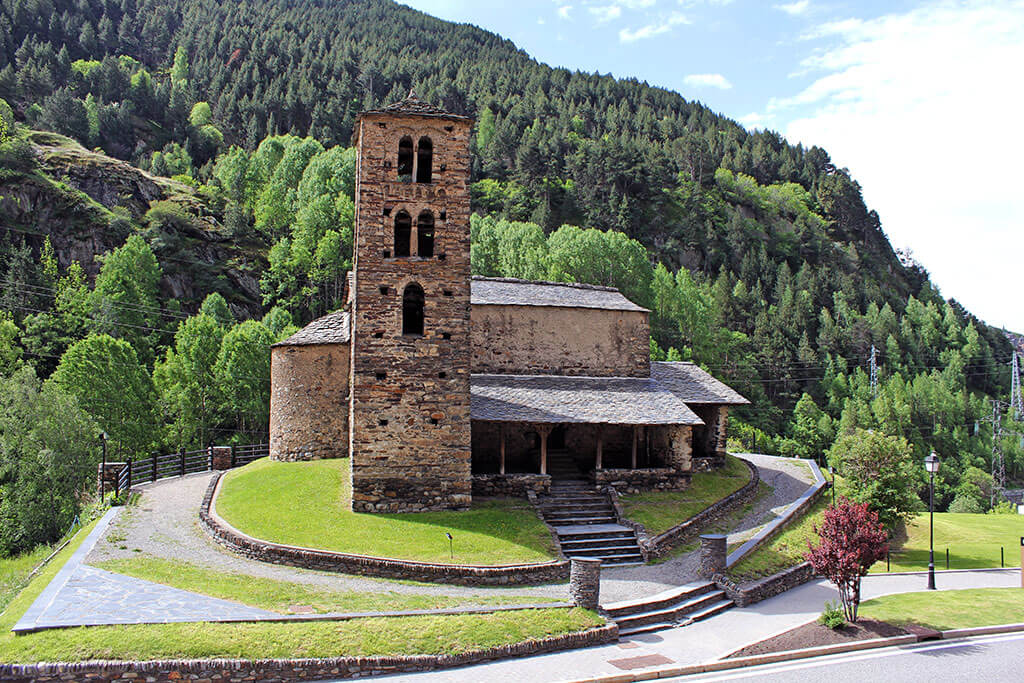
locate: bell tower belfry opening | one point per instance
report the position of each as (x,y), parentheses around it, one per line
(409,407)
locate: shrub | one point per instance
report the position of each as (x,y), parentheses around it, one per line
(966,504)
(832,616)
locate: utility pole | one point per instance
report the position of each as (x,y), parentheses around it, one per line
(1016,399)
(874,372)
(998,465)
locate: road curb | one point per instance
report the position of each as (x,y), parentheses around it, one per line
(790,655)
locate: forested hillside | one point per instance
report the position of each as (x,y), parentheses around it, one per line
(220,167)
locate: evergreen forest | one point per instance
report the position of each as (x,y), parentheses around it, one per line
(176,194)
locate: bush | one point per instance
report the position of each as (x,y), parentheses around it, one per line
(966,504)
(832,616)
(1003,507)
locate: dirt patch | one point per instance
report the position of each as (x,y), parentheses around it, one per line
(816,635)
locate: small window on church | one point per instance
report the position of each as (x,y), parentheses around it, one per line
(425,235)
(403,234)
(405,159)
(425,167)
(412,310)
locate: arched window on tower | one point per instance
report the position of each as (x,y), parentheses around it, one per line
(425,235)
(403,234)
(425,165)
(412,310)
(405,159)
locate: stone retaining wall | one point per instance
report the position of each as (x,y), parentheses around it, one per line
(515,485)
(662,543)
(762,589)
(640,480)
(324,560)
(294,669)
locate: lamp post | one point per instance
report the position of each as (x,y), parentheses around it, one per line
(103,472)
(832,471)
(931,463)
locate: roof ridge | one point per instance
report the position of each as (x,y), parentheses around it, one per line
(547,283)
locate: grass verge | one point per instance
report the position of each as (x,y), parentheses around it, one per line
(406,635)
(659,511)
(973,542)
(950,609)
(285,596)
(14,572)
(493,532)
(785,550)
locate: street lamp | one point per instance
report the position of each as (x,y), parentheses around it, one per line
(832,471)
(103,472)
(931,463)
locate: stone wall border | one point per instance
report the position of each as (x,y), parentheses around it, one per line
(659,545)
(762,589)
(345,563)
(296,669)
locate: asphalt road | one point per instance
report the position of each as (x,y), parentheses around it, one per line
(988,658)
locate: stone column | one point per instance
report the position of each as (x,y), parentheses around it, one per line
(544,431)
(220,457)
(633,458)
(712,555)
(585,581)
(501,438)
(599,456)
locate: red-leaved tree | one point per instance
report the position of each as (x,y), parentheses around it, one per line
(851,540)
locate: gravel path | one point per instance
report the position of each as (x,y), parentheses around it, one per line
(165,524)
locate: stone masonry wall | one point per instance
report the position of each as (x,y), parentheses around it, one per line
(309,402)
(409,409)
(560,341)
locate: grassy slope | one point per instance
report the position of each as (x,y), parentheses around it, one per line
(953,609)
(283,596)
(14,572)
(410,635)
(659,511)
(973,542)
(785,550)
(307,504)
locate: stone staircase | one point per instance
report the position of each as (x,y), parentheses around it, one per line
(585,522)
(675,607)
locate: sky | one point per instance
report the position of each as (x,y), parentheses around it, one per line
(922,102)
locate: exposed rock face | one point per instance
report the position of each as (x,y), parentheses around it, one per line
(88,203)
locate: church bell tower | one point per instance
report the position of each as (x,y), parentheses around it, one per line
(409,410)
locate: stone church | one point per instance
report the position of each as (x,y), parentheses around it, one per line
(439,385)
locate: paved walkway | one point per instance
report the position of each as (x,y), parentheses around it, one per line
(80,595)
(707,640)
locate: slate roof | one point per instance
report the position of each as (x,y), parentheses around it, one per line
(691,384)
(511,292)
(413,105)
(561,399)
(332,328)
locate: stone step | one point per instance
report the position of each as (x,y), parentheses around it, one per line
(606,551)
(662,600)
(619,560)
(582,531)
(696,608)
(575,505)
(569,500)
(565,520)
(602,542)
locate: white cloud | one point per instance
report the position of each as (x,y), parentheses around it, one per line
(605,12)
(794,8)
(563,11)
(650,30)
(924,109)
(707,81)
(755,120)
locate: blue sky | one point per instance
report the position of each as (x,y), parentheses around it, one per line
(922,101)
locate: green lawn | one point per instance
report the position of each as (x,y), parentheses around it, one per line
(949,609)
(408,635)
(659,511)
(307,504)
(784,550)
(973,542)
(284,596)
(14,572)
